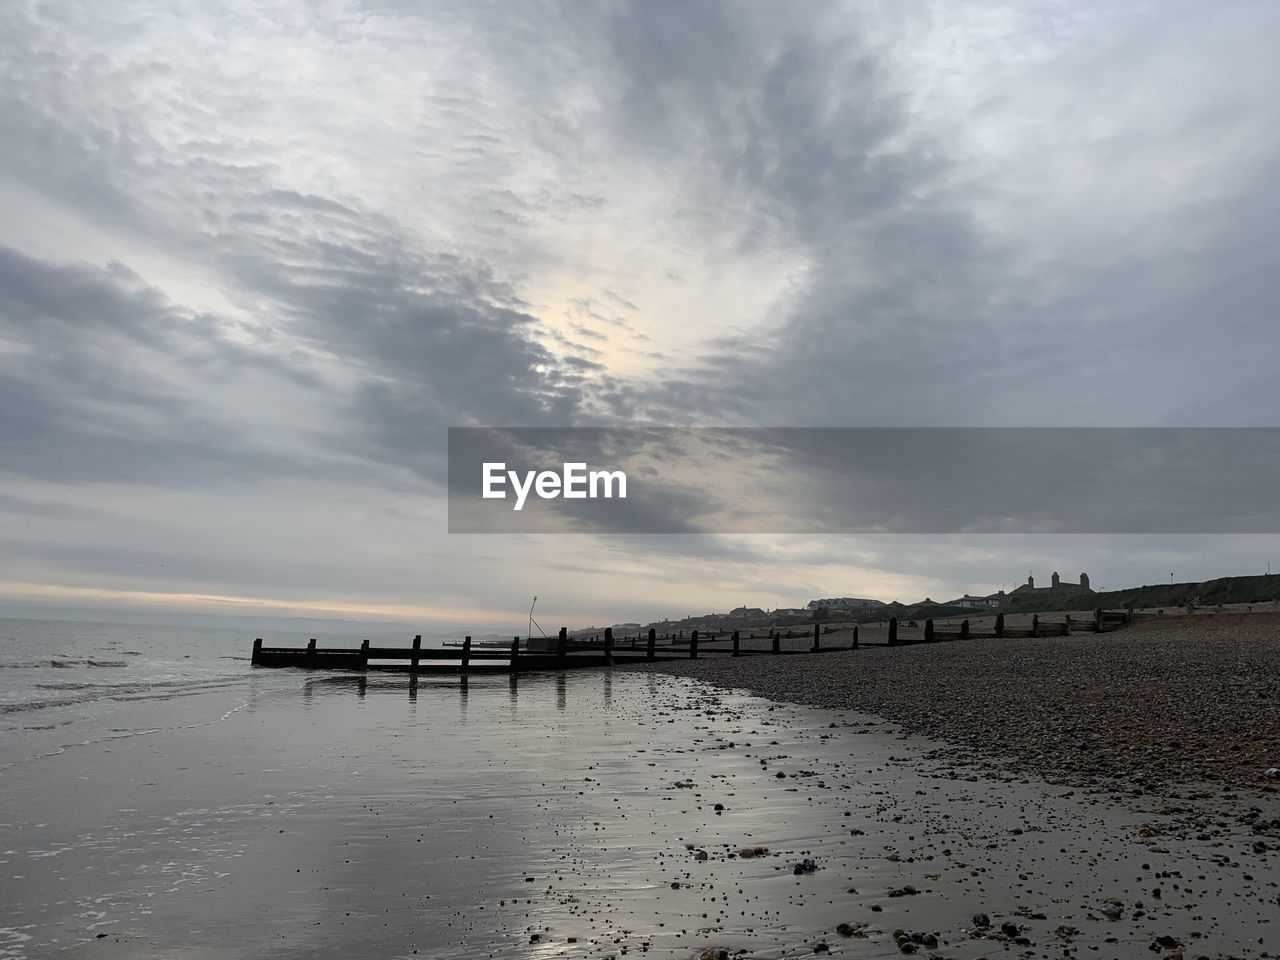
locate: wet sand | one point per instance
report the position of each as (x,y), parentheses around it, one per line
(1168,706)
(577,816)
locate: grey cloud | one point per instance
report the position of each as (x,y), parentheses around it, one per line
(584,331)
(907,480)
(921,296)
(79,396)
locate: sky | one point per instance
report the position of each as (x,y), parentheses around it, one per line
(257,257)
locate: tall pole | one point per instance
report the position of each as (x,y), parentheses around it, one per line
(531,606)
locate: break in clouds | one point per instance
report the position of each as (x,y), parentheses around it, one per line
(256,258)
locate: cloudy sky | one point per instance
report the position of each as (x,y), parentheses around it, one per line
(256,257)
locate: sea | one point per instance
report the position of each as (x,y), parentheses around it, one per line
(62,679)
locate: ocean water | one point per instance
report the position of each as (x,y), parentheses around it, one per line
(69,682)
(53,663)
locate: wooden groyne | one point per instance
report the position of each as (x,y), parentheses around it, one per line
(520,656)
(564,653)
(1103,621)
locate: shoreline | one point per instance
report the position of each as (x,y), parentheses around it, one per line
(1161,706)
(593,815)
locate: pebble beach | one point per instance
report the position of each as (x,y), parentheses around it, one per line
(1171,705)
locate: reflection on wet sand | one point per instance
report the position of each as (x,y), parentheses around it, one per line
(444,823)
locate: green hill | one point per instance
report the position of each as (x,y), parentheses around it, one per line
(1260,589)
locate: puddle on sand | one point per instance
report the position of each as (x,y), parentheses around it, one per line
(577,817)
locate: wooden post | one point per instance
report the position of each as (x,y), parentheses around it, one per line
(257,652)
(466,654)
(1035,624)
(999,624)
(311,654)
(1097,620)
(735,643)
(515,653)
(1129,615)
(777,641)
(649,644)
(928,630)
(817,638)
(562,643)
(854,645)
(1067,631)
(417,652)
(964,629)
(364,654)
(693,645)
(893,631)
(608,645)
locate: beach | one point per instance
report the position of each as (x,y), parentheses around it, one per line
(593,814)
(1166,705)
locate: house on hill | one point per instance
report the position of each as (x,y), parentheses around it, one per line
(997,599)
(1056,587)
(845,603)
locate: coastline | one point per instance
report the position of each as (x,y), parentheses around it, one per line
(591,815)
(1162,706)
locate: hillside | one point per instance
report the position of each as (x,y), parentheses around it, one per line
(1260,589)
